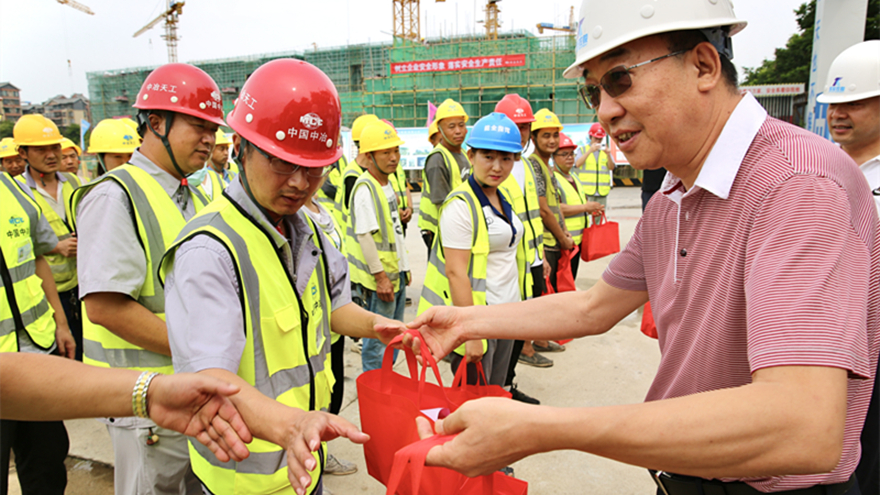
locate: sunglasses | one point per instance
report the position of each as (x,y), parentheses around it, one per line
(615,82)
(281,167)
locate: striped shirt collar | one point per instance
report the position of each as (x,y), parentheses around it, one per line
(721,166)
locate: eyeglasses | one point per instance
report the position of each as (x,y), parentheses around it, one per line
(281,167)
(615,82)
(565,154)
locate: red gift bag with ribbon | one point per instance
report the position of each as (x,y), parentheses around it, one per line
(600,240)
(409,462)
(389,404)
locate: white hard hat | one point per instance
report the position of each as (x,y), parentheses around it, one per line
(854,75)
(605,25)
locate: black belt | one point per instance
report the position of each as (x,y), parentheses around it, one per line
(676,484)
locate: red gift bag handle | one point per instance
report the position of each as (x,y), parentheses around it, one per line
(413,454)
(387,364)
(460,378)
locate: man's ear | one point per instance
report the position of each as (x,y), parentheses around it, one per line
(707,62)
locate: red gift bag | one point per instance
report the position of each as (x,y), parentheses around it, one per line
(649,328)
(461,392)
(601,240)
(413,457)
(389,404)
(564,275)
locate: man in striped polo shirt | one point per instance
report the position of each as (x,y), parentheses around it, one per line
(767,312)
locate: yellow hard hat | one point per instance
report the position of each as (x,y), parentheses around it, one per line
(36,130)
(130,123)
(357,127)
(432,129)
(379,135)
(67,144)
(450,108)
(221,138)
(8,148)
(113,136)
(546,119)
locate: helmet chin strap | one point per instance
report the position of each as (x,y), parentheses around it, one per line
(183,191)
(247,186)
(102,167)
(443,134)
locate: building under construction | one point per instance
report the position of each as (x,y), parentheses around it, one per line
(396,81)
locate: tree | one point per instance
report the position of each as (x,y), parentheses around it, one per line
(792,63)
(6,128)
(71,132)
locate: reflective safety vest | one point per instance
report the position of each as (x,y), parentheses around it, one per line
(287,352)
(399,183)
(528,210)
(572,195)
(429,213)
(595,177)
(18,272)
(436,290)
(384,237)
(340,246)
(552,197)
(63,268)
(217,185)
(157,223)
(327,195)
(350,170)
(233,167)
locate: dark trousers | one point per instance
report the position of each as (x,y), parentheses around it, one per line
(537,290)
(868,470)
(73,311)
(40,449)
(337,366)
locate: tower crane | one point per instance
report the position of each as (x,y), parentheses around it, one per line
(492,22)
(571,28)
(173,9)
(78,6)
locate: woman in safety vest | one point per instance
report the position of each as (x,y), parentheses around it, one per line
(573,200)
(477,246)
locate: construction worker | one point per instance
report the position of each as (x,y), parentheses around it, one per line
(445,167)
(52,191)
(215,175)
(520,188)
(125,220)
(114,142)
(478,257)
(376,248)
(254,287)
(594,165)
(327,194)
(10,161)
(70,153)
(575,205)
(31,319)
(852,93)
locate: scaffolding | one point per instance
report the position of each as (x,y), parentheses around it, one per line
(363,77)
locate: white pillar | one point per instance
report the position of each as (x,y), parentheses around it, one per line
(839,25)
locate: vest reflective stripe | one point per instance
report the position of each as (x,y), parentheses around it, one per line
(429,213)
(287,354)
(436,292)
(150,202)
(63,268)
(217,185)
(384,238)
(18,217)
(528,210)
(552,197)
(595,177)
(572,195)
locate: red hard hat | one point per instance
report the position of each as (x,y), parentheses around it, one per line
(182,88)
(566,142)
(516,108)
(290,109)
(597,131)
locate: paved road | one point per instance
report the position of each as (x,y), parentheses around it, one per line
(615,368)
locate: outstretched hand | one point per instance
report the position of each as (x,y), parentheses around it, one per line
(307,433)
(199,406)
(442,330)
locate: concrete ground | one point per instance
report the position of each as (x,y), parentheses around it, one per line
(615,368)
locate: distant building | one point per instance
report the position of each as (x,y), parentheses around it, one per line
(10,102)
(65,111)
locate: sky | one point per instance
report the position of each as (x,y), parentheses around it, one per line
(47,48)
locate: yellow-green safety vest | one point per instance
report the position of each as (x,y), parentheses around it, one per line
(340,246)
(63,268)
(233,167)
(436,291)
(399,183)
(528,210)
(157,223)
(350,170)
(217,185)
(287,351)
(333,205)
(384,238)
(429,213)
(595,176)
(572,195)
(19,214)
(552,195)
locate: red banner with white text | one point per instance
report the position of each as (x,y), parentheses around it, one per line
(453,64)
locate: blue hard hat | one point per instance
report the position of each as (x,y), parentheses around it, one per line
(495,132)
